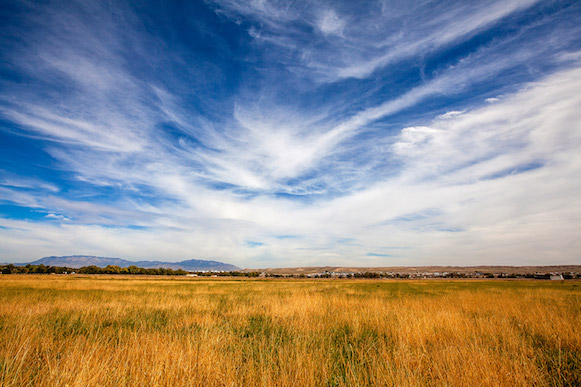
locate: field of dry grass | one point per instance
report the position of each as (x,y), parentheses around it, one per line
(114,331)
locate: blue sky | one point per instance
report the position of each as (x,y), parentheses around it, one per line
(273,133)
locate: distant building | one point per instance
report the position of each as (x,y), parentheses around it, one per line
(558,277)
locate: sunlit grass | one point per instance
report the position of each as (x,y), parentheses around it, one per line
(141,331)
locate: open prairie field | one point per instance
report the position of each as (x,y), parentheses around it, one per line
(105,331)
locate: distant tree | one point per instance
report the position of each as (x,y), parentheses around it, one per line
(90,270)
(8,269)
(59,269)
(112,269)
(133,269)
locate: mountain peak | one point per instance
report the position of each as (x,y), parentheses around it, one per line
(76,261)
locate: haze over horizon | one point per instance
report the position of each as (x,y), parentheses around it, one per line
(274,134)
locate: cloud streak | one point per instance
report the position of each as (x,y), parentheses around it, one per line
(384,34)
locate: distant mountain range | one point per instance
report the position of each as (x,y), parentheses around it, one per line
(76,261)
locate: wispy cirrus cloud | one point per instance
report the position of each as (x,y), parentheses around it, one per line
(10,180)
(372,35)
(351,130)
(440,180)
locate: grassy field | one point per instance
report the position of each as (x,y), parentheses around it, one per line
(79,331)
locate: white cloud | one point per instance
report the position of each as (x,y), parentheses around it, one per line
(10,180)
(57,216)
(450,114)
(528,216)
(329,23)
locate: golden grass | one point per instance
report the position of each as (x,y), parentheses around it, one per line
(115,331)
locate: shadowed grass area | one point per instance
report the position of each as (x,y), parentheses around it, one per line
(142,331)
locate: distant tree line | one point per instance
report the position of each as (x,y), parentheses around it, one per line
(429,275)
(113,269)
(227,273)
(337,275)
